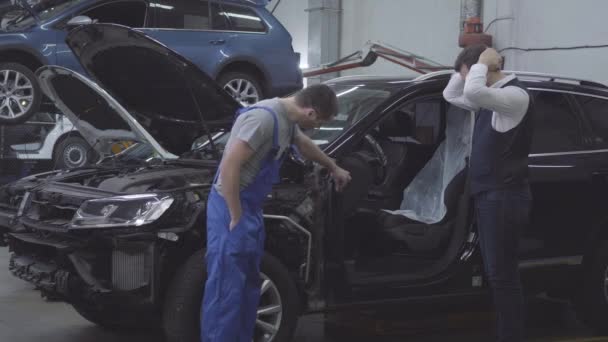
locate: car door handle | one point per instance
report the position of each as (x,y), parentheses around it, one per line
(217,42)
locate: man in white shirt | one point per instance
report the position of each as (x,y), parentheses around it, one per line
(498,172)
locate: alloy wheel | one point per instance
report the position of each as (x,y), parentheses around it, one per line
(16,94)
(243,91)
(270,312)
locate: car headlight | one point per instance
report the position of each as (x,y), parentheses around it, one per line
(130,210)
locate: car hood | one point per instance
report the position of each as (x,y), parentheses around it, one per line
(161,96)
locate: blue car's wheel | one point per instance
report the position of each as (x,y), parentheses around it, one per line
(19,93)
(243,87)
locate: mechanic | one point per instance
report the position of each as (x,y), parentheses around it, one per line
(260,138)
(498,173)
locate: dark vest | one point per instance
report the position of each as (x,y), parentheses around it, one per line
(500,160)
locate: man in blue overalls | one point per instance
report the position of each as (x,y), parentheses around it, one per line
(260,138)
(498,172)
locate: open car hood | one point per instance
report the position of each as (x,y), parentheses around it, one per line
(99,118)
(161,96)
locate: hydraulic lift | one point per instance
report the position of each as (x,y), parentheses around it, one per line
(368,56)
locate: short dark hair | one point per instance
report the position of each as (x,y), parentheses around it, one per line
(469,56)
(319,97)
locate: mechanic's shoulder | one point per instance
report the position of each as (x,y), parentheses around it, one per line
(259,117)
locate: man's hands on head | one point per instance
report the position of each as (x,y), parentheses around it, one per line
(491,58)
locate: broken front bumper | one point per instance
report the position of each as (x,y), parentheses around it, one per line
(8,223)
(71,269)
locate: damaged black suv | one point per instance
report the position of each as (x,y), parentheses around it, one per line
(123,240)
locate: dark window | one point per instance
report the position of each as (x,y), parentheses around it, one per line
(556,127)
(596,110)
(218,20)
(426,117)
(242,18)
(127,13)
(182,14)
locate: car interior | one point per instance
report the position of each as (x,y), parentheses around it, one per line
(400,164)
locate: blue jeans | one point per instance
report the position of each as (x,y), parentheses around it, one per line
(501,216)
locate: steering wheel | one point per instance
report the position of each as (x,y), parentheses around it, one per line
(379,160)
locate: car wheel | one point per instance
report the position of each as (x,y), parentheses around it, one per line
(593,301)
(116,318)
(277,313)
(242,87)
(20,93)
(73,152)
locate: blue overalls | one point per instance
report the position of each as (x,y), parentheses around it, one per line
(232,291)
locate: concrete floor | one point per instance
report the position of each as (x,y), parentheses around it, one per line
(25,317)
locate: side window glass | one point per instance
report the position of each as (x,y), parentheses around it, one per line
(596,111)
(242,18)
(182,14)
(426,117)
(556,127)
(127,13)
(218,20)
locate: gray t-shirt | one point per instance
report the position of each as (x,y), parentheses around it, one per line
(256,127)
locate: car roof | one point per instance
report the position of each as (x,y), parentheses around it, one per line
(392,83)
(247,2)
(541,80)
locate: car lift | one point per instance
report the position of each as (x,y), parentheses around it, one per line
(368,56)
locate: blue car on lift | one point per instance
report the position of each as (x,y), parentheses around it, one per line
(237,42)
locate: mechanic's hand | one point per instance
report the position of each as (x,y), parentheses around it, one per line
(234,221)
(491,58)
(341,177)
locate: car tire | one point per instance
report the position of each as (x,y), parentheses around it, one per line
(117,319)
(73,152)
(592,303)
(182,309)
(243,87)
(11,75)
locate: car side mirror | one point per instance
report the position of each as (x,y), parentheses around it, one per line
(80,20)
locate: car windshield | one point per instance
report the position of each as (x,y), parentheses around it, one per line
(18,16)
(354,103)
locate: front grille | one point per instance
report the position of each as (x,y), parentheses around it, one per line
(132,265)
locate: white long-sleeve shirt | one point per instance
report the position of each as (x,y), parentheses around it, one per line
(508,105)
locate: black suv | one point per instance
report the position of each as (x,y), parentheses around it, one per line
(123,240)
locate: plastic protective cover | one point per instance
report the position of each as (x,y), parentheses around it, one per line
(423,199)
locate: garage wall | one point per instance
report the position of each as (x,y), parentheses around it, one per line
(292,14)
(551,23)
(431,28)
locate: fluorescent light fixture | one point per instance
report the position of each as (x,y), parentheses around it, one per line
(161,6)
(242,16)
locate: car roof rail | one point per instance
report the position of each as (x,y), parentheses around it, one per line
(523,75)
(555,78)
(433,75)
(352,77)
